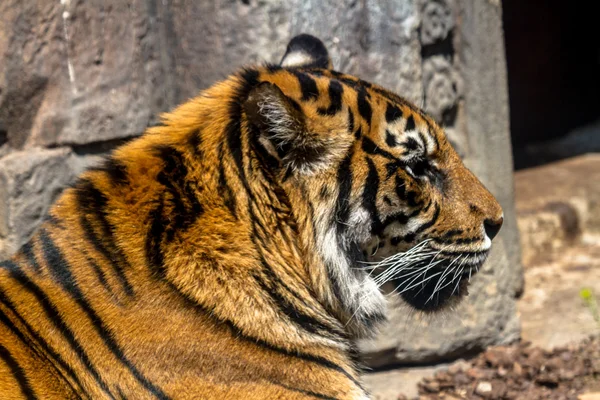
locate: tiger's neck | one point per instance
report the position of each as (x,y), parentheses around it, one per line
(181,207)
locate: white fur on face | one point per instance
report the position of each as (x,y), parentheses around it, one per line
(359,294)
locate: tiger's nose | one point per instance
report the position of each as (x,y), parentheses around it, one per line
(492,227)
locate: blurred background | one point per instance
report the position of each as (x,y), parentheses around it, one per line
(514,83)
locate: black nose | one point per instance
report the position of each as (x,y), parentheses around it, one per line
(492,227)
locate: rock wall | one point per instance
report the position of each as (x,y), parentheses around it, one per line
(79,78)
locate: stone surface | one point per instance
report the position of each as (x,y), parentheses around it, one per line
(76,73)
(87,75)
(30,181)
(377,41)
(442,88)
(438,21)
(488,315)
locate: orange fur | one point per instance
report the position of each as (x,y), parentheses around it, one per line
(189,265)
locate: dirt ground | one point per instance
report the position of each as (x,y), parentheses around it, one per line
(551,309)
(520,371)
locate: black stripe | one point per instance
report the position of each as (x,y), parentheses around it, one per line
(403,194)
(271,285)
(350,120)
(55,317)
(92,202)
(59,269)
(431,222)
(92,238)
(371,148)
(121,395)
(369,195)
(335,99)
(342,202)
(182,192)
(451,233)
(52,220)
(45,350)
(324,192)
(392,113)
(410,145)
(195,141)
(233,130)
(349,80)
(424,210)
(390,139)
(456,240)
(410,123)
(273,67)
(18,373)
(296,316)
(304,392)
(240,335)
(7,323)
(154,238)
(308,86)
(27,251)
(115,170)
(296,354)
(282,147)
(358,133)
(99,274)
(406,239)
(458,253)
(399,217)
(364,107)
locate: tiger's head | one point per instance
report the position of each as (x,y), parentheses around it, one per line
(388,198)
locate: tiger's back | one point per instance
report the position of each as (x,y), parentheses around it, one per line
(220,254)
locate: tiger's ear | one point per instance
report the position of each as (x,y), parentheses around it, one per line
(281,130)
(306,51)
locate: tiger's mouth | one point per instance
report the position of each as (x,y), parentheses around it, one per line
(436,284)
(428,279)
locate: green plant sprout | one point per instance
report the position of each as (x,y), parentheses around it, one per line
(590,301)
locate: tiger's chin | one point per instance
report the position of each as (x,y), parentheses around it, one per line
(442,287)
(428,299)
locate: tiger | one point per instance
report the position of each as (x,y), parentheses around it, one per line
(238,249)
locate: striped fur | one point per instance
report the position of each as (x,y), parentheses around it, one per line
(220,255)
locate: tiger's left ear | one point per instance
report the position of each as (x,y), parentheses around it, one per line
(306,51)
(281,129)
